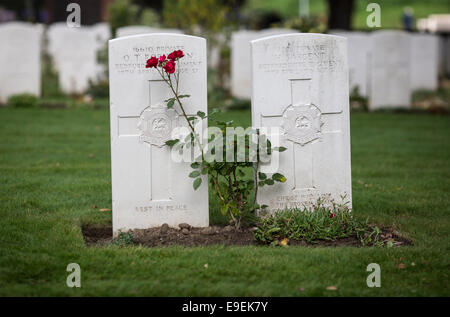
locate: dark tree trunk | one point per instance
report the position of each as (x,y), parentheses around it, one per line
(340,14)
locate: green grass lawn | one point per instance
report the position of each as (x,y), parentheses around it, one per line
(55,165)
(391,10)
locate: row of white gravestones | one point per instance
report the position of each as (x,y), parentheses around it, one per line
(387,66)
(300,84)
(20,68)
(240,71)
(74,54)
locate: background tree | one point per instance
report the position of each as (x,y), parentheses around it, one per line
(340,14)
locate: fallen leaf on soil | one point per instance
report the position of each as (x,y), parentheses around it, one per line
(331,288)
(400,266)
(284,242)
(206,265)
(301,289)
(104,209)
(94,207)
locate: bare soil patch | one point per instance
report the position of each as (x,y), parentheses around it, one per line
(216,235)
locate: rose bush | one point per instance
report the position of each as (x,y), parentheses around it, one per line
(227,178)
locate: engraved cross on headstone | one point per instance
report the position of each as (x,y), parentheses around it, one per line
(304,124)
(152,128)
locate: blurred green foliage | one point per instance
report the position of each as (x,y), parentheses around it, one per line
(122,13)
(49,78)
(125,12)
(311,24)
(149,17)
(191,15)
(391,11)
(22,101)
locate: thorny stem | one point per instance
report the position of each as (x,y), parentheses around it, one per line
(230,186)
(255,172)
(216,185)
(175,93)
(238,198)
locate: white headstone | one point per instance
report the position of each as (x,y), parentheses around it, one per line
(390,70)
(300,84)
(215,50)
(359,48)
(424,61)
(74,54)
(102,33)
(422,25)
(240,72)
(55,36)
(142,29)
(20,65)
(148,188)
(439,23)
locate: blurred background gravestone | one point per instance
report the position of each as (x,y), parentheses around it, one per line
(20,65)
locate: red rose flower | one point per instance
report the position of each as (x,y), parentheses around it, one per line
(171,56)
(176,54)
(332,215)
(169,67)
(179,54)
(162,58)
(152,62)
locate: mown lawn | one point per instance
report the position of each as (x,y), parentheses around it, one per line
(55,165)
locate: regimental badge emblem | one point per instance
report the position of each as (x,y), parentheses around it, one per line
(302,123)
(156,124)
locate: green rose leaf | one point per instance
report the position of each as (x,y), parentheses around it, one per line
(194,174)
(224,209)
(172,142)
(170,103)
(269,181)
(280,148)
(278,177)
(201,114)
(195,165)
(262,176)
(197,183)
